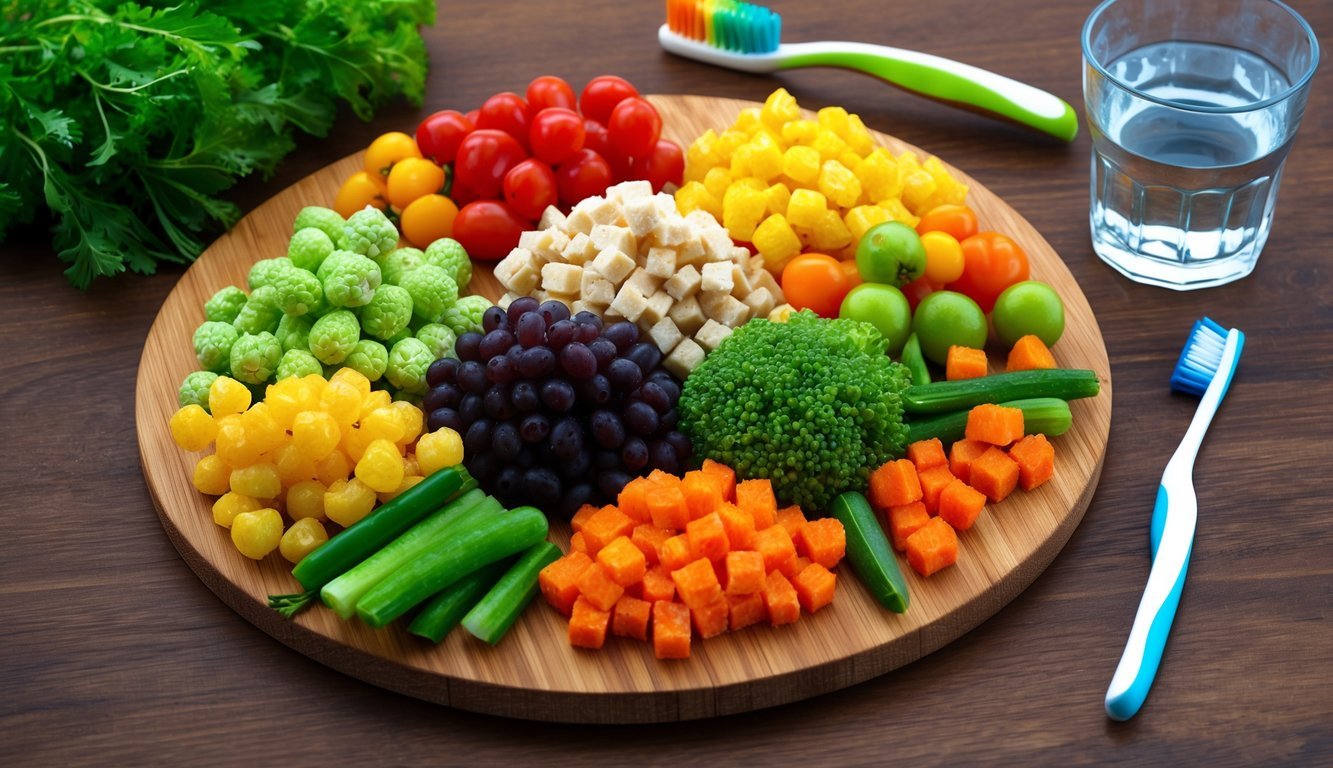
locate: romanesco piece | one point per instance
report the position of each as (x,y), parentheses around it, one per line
(406,333)
(352,281)
(326,220)
(465,314)
(387,313)
(194,389)
(225,305)
(255,357)
(438,339)
(297,291)
(369,233)
(298,362)
(212,345)
(294,332)
(449,255)
(309,247)
(332,262)
(408,361)
(260,313)
(813,405)
(264,271)
(333,336)
(398,262)
(433,291)
(368,357)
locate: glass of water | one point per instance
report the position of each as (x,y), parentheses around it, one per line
(1192,106)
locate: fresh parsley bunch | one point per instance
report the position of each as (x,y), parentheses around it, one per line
(126,121)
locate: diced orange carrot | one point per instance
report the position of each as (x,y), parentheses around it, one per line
(703,492)
(933,547)
(662,476)
(964,363)
(1036,460)
(629,618)
(606,525)
(746,610)
(994,474)
(904,521)
(666,506)
(814,587)
(577,543)
(633,499)
(960,505)
(710,619)
(994,424)
(894,484)
(671,630)
(559,581)
(792,519)
(649,539)
(824,541)
(756,497)
(775,545)
(726,474)
(1029,353)
(623,561)
(586,511)
(696,583)
(708,537)
(933,481)
(925,454)
(657,585)
(745,572)
(738,524)
(780,600)
(794,566)
(597,586)
(961,455)
(587,625)
(675,552)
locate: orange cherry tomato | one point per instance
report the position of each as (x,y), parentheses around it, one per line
(817,282)
(850,270)
(944,257)
(388,149)
(957,220)
(411,178)
(917,290)
(992,262)
(427,219)
(360,189)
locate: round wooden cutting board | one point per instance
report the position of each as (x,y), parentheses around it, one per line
(534,673)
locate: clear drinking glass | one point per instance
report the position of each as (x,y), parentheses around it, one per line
(1192,106)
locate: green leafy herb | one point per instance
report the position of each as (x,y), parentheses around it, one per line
(125,122)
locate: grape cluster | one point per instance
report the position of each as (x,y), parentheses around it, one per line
(557,411)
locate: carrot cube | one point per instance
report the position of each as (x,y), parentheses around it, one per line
(657,585)
(895,484)
(756,497)
(933,547)
(675,552)
(605,526)
(933,481)
(994,473)
(559,581)
(814,586)
(629,618)
(780,600)
(697,583)
(738,524)
(904,521)
(746,610)
(586,511)
(623,561)
(794,566)
(598,588)
(775,544)
(671,630)
(792,519)
(1036,460)
(666,506)
(964,363)
(994,424)
(1029,353)
(745,572)
(961,504)
(961,455)
(925,454)
(587,625)
(724,473)
(710,619)
(824,541)
(633,499)
(708,537)
(649,539)
(577,543)
(703,492)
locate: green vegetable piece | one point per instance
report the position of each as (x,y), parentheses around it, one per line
(811,404)
(388,312)
(194,389)
(212,345)
(915,362)
(947,396)
(869,551)
(298,291)
(260,313)
(225,305)
(255,357)
(449,255)
(408,361)
(492,617)
(334,336)
(406,333)
(309,247)
(439,616)
(294,332)
(332,262)
(265,271)
(369,233)
(438,339)
(1049,416)
(325,220)
(298,362)
(398,262)
(465,314)
(433,291)
(352,281)
(369,358)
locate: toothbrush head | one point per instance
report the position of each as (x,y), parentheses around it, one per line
(730,25)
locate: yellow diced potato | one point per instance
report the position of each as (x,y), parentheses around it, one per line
(743,208)
(703,151)
(716,181)
(878,172)
(863,217)
(948,190)
(899,211)
(779,108)
(776,241)
(805,208)
(918,186)
(765,156)
(694,196)
(858,136)
(728,142)
(800,131)
(748,121)
(801,164)
(829,146)
(742,161)
(830,233)
(778,197)
(849,159)
(839,184)
(834,119)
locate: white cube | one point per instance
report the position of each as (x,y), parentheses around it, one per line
(659,304)
(551,218)
(687,315)
(643,282)
(561,278)
(760,302)
(711,335)
(614,265)
(605,236)
(684,283)
(660,262)
(629,303)
(665,335)
(579,249)
(716,277)
(684,358)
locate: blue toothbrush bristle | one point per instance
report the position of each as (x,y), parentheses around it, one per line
(726,24)
(1200,358)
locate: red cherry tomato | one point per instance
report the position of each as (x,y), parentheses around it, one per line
(472,116)
(602,94)
(596,138)
(484,157)
(991,263)
(634,127)
(550,91)
(622,168)
(529,187)
(664,165)
(461,195)
(584,175)
(439,135)
(489,229)
(917,290)
(506,112)
(556,134)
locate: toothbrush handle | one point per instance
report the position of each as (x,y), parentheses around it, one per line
(944,80)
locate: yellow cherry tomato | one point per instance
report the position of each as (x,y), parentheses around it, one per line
(427,219)
(413,178)
(944,257)
(387,150)
(360,189)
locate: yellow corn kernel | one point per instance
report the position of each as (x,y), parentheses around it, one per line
(918,187)
(878,172)
(800,131)
(801,164)
(192,428)
(306,499)
(212,476)
(380,466)
(702,152)
(386,423)
(778,197)
(354,377)
(316,385)
(829,146)
(858,136)
(781,312)
(743,208)
(728,142)
(342,401)
(293,465)
(899,212)
(694,196)
(378,398)
(830,233)
(439,449)
(257,533)
(948,190)
(353,443)
(260,481)
(227,395)
(315,433)
(748,121)
(863,217)
(839,184)
(231,504)
(834,119)
(779,108)
(849,159)
(765,157)
(230,444)
(287,398)
(776,241)
(408,481)
(805,208)
(413,421)
(717,180)
(262,431)
(332,468)
(347,501)
(303,537)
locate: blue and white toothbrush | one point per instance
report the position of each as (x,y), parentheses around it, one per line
(1205,368)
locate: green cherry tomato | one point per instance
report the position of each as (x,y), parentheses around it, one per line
(890,252)
(884,307)
(1029,307)
(945,318)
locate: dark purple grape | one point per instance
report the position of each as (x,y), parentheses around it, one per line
(468,346)
(607,429)
(478,437)
(470,408)
(519,307)
(578,361)
(496,403)
(530,330)
(482,466)
(442,371)
(575,497)
(575,468)
(635,453)
(558,395)
(667,383)
(662,456)
(604,350)
(587,333)
(500,370)
(640,418)
(678,440)
(507,485)
(472,377)
(584,317)
(505,442)
(444,417)
(553,311)
(646,355)
(560,333)
(594,391)
(603,461)
(669,420)
(534,428)
(623,334)
(536,363)
(624,374)
(541,485)
(524,397)
(441,396)
(654,395)
(566,438)
(526,456)
(493,318)
(612,483)
(496,342)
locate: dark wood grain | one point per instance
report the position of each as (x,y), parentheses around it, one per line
(112,651)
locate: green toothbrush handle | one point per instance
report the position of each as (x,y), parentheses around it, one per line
(942,79)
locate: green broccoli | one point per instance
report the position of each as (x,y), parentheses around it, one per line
(369,233)
(334,335)
(438,339)
(352,281)
(813,405)
(298,290)
(326,220)
(368,357)
(408,361)
(260,313)
(433,291)
(398,262)
(294,332)
(194,389)
(298,362)
(465,314)
(449,255)
(212,345)
(225,305)
(309,247)
(265,271)
(255,357)
(388,312)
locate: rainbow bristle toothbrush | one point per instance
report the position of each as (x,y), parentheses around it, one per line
(746,37)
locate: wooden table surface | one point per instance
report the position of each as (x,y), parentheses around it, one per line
(113,652)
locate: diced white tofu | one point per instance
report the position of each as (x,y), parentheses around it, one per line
(765,279)
(661,262)
(711,334)
(606,236)
(529,239)
(626,191)
(641,216)
(629,302)
(545,244)
(687,315)
(579,221)
(665,335)
(643,282)
(551,218)
(601,292)
(554,250)
(699,220)
(561,278)
(518,271)
(724,308)
(610,315)
(716,277)
(690,251)
(671,230)
(614,265)
(740,282)
(607,212)
(740,255)
(506,300)
(760,302)
(717,244)
(684,283)
(684,358)
(583,305)
(579,249)
(659,304)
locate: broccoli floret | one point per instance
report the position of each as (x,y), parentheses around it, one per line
(326,220)
(408,361)
(438,339)
(225,305)
(388,312)
(448,254)
(255,358)
(333,336)
(309,247)
(369,233)
(351,281)
(294,332)
(298,362)
(212,345)
(813,405)
(369,358)
(433,292)
(260,313)
(194,389)
(465,314)
(298,290)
